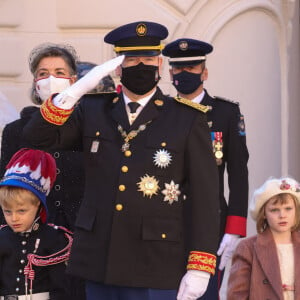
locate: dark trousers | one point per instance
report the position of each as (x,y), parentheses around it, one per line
(214,285)
(98,291)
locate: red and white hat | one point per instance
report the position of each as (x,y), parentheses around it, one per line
(33,170)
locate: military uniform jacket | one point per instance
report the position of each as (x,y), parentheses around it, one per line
(65,197)
(225,118)
(124,237)
(14,248)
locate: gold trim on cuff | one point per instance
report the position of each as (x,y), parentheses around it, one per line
(202,261)
(54,114)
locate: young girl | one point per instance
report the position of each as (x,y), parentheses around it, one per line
(267,266)
(32,253)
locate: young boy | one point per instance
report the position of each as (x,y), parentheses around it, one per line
(32,253)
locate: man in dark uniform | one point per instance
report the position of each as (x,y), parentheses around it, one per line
(138,236)
(188,71)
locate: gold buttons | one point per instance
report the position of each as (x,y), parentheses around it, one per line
(119,207)
(163,235)
(97,133)
(163,144)
(127,153)
(124,169)
(122,188)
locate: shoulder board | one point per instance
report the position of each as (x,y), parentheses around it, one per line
(192,104)
(226,100)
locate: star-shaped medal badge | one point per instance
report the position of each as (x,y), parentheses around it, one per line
(171,192)
(162,158)
(148,185)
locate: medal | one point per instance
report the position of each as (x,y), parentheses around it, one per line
(171,192)
(131,135)
(217,144)
(125,147)
(218,153)
(148,185)
(162,158)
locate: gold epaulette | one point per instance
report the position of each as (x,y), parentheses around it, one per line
(190,103)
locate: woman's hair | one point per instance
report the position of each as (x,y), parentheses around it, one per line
(17,195)
(66,52)
(262,224)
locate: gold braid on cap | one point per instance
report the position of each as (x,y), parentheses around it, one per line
(135,48)
(54,114)
(198,106)
(202,261)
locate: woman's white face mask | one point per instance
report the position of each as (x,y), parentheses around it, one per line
(46,87)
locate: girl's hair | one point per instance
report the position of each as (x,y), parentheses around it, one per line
(66,52)
(262,224)
(16,195)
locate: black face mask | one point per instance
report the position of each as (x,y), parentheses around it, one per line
(186,82)
(140,79)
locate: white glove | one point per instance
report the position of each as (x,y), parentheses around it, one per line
(193,285)
(68,98)
(226,248)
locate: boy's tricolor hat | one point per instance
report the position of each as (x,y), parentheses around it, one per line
(271,188)
(187,52)
(33,170)
(138,39)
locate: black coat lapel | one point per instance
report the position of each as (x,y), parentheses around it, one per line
(207,100)
(119,113)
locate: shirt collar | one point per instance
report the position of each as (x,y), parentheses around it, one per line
(142,101)
(199,98)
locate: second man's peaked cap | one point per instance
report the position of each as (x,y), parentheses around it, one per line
(187,52)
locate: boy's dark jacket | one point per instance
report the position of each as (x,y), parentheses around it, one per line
(14,248)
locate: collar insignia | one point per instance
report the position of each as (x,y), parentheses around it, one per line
(159,102)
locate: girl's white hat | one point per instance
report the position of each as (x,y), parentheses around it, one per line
(271,188)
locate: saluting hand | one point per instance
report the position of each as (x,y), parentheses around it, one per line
(68,98)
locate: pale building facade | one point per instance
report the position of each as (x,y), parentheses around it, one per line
(255,59)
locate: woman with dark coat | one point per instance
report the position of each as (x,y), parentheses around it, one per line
(53,68)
